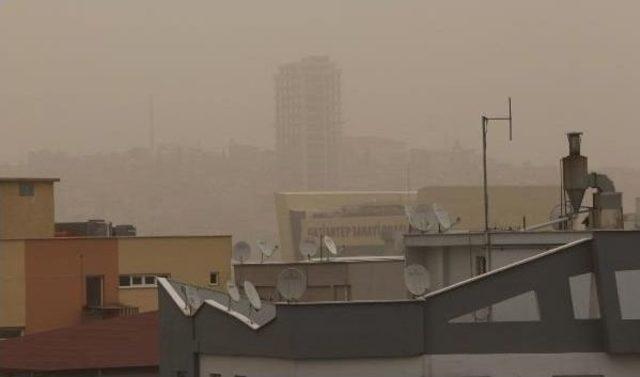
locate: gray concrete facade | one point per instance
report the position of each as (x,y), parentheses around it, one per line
(427,326)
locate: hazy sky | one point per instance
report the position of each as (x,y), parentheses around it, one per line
(76,75)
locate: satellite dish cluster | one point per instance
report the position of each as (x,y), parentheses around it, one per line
(310,246)
(242,250)
(429,218)
(292,282)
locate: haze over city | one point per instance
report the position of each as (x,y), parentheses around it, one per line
(77,75)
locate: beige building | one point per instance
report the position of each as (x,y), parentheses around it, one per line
(26,207)
(340,279)
(198,260)
(369,222)
(300,214)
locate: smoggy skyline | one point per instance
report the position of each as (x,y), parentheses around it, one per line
(76,76)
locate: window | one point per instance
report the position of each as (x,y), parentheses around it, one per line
(628,282)
(140,280)
(213,278)
(520,308)
(125,281)
(10,332)
(584,296)
(27,189)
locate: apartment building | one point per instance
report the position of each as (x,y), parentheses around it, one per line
(308,123)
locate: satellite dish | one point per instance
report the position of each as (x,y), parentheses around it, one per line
(265,249)
(416,278)
(232,290)
(421,217)
(291,284)
(331,245)
(252,295)
(309,247)
(443,217)
(241,251)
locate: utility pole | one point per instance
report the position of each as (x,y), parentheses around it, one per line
(485,129)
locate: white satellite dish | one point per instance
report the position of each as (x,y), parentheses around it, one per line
(421,218)
(443,217)
(309,247)
(241,251)
(232,290)
(330,245)
(266,249)
(417,279)
(291,284)
(252,295)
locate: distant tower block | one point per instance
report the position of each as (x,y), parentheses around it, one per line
(308,124)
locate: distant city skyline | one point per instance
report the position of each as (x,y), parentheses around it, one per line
(78,79)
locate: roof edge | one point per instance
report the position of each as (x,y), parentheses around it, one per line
(507,267)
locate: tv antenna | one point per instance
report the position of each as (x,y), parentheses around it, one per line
(417,279)
(292,283)
(241,251)
(485,129)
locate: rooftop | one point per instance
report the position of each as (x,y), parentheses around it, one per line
(28,179)
(124,342)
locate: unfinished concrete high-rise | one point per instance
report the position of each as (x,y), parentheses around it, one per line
(308,124)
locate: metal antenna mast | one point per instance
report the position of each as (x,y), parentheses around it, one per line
(485,129)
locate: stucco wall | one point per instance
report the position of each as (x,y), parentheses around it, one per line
(187,259)
(12,287)
(26,216)
(55,279)
(494,365)
(332,281)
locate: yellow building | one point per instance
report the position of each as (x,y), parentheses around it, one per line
(508,205)
(199,260)
(295,215)
(366,222)
(26,207)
